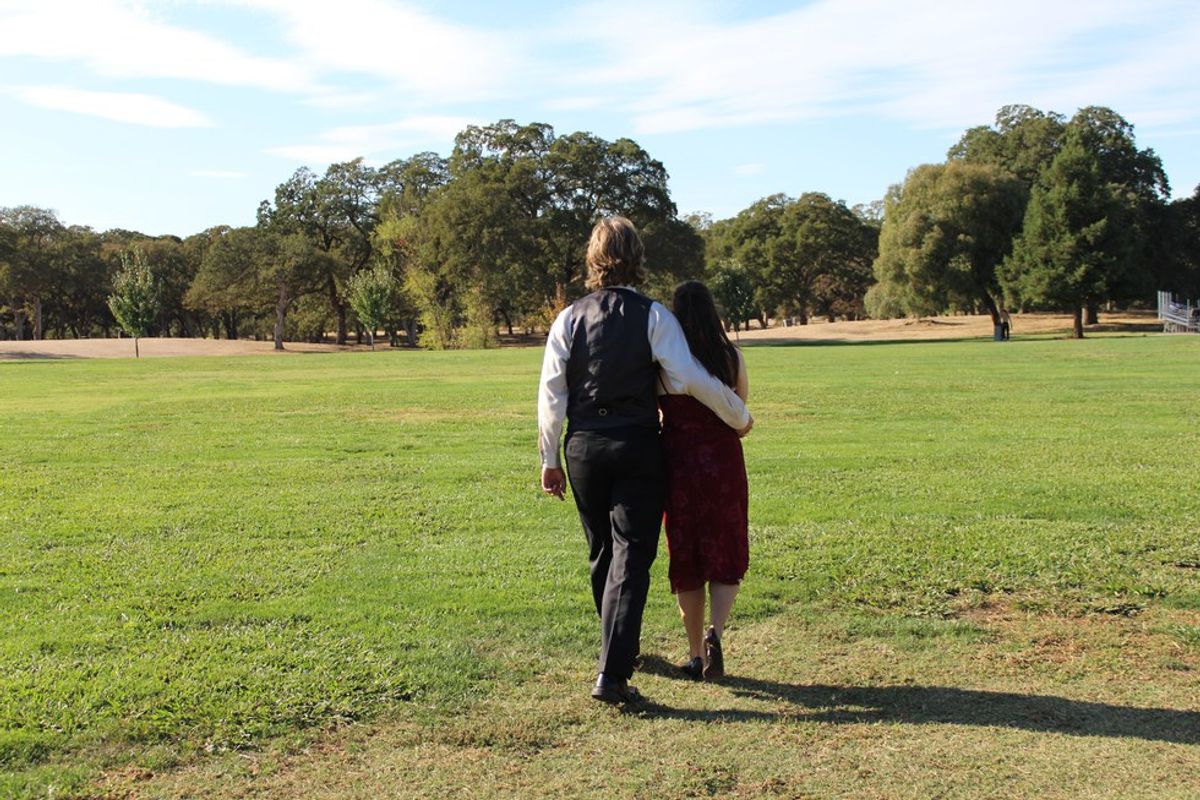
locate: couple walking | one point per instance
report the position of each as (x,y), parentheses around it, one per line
(615,361)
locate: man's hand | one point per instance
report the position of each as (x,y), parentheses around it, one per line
(744,430)
(554,482)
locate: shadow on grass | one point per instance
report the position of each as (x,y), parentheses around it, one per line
(26,355)
(941,705)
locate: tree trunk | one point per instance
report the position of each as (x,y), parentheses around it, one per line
(507,321)
(339,309)
(803,315)
(38,332)
(1093,314)
(358,332)
(410,331)
(136,352)
(18,322)
(762,321)
(281,306)
(341,325)
(1078,330)
(992,308)
(371,336)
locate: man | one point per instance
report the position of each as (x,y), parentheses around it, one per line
(599,373)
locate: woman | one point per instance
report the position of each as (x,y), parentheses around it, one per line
(706,507)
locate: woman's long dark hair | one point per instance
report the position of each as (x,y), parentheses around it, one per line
(697,314)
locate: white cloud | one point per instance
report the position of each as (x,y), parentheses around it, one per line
(939,63)
(220,174)
(749,169)
(393,139)
(342,100)
(123,39)
(135,109)
(400,44)
(578,103)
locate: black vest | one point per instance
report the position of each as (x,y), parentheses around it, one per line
(611,370)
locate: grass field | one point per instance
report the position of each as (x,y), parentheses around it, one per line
(975,572)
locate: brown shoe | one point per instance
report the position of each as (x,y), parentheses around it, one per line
(716,659)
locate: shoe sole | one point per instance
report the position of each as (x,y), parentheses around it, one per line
(615,699)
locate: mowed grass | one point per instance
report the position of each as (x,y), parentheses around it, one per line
(223,555)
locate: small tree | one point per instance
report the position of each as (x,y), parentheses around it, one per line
(734,292)
(134,299)
(372,293)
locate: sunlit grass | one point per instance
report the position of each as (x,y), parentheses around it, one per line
(203,554)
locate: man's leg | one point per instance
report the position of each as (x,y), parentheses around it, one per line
(638,492)
(591,485)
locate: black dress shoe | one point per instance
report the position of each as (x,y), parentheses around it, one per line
(693,668)
(716,659)
(612,691)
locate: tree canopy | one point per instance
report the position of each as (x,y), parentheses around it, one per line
(1035,210)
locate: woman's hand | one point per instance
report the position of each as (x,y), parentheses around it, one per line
(554,482)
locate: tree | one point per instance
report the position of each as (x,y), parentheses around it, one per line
(338,213)
(1023,142)
(743,242)
(257,271)
(222,284)
(552,190)
(802,255)
(134,299)
(1084,237)
(1179,261)
(372,293)
(734,292)
(34,233)
(945,232)
(81,280)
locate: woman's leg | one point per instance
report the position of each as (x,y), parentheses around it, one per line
(723,595)
(691,608)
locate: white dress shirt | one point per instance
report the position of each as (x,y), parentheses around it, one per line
(669,349)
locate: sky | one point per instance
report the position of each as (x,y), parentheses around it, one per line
(171,116)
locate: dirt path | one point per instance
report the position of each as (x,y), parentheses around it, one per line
(156,348)
(926,328)
(940,328)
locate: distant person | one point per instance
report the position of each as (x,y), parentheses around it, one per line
(1005,324)
(600,371)
(706,510)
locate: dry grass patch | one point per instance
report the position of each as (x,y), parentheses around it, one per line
(1030,706)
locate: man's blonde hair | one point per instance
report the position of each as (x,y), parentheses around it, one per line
(615,254)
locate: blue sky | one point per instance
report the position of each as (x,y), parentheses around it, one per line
(170,116)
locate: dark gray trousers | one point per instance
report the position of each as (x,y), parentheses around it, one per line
(619,483)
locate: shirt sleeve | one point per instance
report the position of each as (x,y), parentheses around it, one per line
(743,379)
(552,391)
(670,350)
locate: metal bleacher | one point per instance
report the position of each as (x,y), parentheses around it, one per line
(1177,314)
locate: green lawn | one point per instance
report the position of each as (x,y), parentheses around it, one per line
(212,555)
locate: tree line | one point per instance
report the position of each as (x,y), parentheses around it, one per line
(1036,212)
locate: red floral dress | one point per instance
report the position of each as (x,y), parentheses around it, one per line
(707,504)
